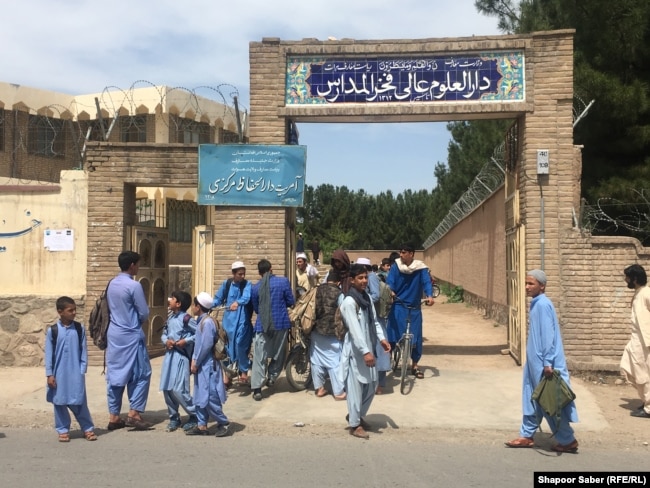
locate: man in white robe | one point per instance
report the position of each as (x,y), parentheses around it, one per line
(635,363)
(358,362)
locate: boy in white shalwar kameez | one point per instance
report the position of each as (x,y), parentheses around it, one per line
(358,362)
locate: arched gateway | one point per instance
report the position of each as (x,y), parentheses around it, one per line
(528,78)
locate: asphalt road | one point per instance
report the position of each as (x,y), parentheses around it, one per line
(33,458)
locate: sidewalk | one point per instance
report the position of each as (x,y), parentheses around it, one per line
(468,384)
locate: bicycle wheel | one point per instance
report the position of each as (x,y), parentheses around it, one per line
(298,368)
(436,291)
(406,357)
(395,356)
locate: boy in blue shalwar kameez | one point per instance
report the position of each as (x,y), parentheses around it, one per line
(178,339)
(66,362)
(209,386)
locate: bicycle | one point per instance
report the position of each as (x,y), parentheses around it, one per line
(404,347)
(298,366)
(435,288)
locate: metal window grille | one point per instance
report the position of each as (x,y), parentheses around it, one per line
(182,217)
(133,128)
(46,136)
(192,132)
(145,212)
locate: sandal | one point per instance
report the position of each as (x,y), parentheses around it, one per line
(64,437)
(90,435)
(570,448)
(521,442)
(417,372)
(321,392)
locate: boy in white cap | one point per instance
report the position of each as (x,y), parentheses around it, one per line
(209,387)
(235,294)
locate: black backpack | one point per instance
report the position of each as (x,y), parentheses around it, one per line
(100,317)
(55,333)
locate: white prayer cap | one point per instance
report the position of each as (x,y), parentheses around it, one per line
(238,265)
(301,255)
(204,299)
(364,261)
(539,275)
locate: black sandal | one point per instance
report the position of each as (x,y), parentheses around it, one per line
(417,372)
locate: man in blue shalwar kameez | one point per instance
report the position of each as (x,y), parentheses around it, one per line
(127,359)
(209,387)
(409,280)
(544,354)
(237,318)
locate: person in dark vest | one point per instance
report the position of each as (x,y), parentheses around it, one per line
(324,346)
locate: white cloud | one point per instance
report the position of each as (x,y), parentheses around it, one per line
(83,46)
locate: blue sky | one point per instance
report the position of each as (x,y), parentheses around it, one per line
(82,46)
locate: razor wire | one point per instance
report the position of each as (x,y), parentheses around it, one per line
(611,216)
(489,180)
(53,130)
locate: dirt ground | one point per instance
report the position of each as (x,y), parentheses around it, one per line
(457,337)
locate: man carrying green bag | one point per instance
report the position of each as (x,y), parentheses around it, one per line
(544,359)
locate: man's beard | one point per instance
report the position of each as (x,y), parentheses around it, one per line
(631,285)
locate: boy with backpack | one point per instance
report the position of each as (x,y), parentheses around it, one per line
(235,295)
(209,386)
(66,362)
(178,339)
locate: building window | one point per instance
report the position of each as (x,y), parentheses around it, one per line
(182,217)
(145,212)
(46,136)
(95,127)
(228,137)
(133,128)
(191,132)
(2,130)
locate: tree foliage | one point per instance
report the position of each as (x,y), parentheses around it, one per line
(611,66)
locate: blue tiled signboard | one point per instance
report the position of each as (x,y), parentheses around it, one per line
(494,77)
(251,175)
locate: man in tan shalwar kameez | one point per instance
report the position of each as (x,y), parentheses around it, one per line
(635,363)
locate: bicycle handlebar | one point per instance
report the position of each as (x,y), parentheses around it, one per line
(398,299)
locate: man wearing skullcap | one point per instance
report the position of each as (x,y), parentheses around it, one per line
(544,354)
(235,294)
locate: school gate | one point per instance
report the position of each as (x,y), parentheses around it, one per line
(528,78)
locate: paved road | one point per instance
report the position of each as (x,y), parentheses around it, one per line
(448,431)
(33,458)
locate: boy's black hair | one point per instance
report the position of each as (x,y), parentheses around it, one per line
(127,258)
(184,298)
(63,302)
(408,247)
(636,274)
(333,276)
(387,261)
(393,257)
(357,269)
(264,266)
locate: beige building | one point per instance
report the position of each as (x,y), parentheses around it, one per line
(44,139)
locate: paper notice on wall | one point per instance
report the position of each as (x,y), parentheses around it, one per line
(59,240)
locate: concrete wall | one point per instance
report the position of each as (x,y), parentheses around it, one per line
(473,255)
(32,276)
